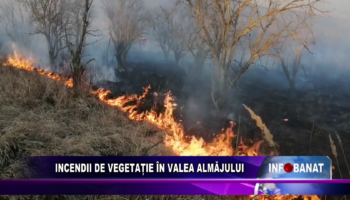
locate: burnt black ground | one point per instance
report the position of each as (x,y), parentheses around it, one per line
(312,113)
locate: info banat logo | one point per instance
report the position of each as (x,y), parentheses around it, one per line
(293,167)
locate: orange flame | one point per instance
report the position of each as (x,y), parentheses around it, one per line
(27,64)
(176,139)
(16,61)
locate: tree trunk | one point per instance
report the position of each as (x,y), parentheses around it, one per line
(288,76)
(219,91)
(177,59)
(124,57)
(196,69)
(76,80)
(120,54)
(119,58)
(77,72)
(52,58)
(51,51)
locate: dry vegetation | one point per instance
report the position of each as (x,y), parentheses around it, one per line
(39,116)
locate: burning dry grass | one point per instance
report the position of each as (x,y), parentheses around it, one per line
(39,116)
(175,139)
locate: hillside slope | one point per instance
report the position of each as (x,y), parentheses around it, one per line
(39,116)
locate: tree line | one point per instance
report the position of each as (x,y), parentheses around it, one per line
(233,34)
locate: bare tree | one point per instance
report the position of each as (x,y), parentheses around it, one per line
(162,33)
(198,50)
(50,19)
(128,20)
(178,47)
(76,34)
(228,24)
(290,67)
(195,45)
(168,31)
(15,23)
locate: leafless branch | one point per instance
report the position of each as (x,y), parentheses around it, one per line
(14,21)
(128,20)
(232,28)
(77,32)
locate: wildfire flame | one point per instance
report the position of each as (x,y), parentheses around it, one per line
(27,64)
(176,139)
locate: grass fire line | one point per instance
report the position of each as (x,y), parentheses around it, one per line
(149,167)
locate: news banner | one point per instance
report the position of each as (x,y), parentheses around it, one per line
(196,175)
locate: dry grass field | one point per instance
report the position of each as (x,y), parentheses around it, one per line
(40,116)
